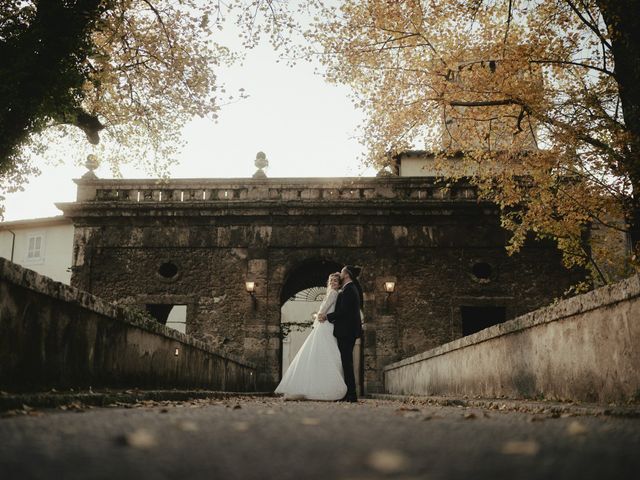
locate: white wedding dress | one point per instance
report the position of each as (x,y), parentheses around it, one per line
(316,371)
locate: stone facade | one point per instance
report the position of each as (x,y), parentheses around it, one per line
(443,248)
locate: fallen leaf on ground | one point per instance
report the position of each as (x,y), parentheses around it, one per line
(76,406)
(310,421)
(388,461)
(241,426)
(576,428)
(520,447)
(188,426)
(140,438)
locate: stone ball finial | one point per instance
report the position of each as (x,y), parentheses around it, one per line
(261,160)
(261,163)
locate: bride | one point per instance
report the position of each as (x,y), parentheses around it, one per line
(316,371)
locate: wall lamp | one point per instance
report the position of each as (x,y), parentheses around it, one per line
(250,287)
(389,288)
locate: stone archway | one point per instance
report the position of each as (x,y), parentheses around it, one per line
(296,305)
(301,294)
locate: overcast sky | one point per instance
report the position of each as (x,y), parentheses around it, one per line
(306,127)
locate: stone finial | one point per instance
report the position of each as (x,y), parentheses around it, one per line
(385,172)
(261,163)
(91,164)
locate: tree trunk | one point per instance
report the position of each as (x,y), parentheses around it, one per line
(623,23)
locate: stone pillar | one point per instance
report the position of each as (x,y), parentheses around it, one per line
(381,334)
(84,241)
(258,341)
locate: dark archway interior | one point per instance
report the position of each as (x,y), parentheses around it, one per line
(312,273)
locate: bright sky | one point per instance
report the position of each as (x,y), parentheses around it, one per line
(306,127)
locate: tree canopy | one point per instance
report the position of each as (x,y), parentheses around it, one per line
(127,74)
(541,96)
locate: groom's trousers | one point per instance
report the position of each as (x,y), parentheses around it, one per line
(345,345)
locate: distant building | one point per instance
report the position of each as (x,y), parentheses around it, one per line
(41,244)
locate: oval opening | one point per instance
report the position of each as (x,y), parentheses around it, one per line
(168,270)
(482,271)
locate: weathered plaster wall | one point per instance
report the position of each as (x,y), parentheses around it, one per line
(585,348)
(56,248)
(220,234)
(52,335)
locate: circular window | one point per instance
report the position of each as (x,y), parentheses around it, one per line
(482,271)
(168,270)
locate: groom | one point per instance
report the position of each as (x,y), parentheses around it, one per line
(346,325)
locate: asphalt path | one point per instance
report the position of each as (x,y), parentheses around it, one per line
(265,438)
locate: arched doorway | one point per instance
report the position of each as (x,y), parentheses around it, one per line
(302,293)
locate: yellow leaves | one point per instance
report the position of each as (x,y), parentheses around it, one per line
(151,72)
(530,92)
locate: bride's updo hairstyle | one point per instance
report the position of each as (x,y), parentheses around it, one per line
(331,277)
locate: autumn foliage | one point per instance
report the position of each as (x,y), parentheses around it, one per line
(529,91)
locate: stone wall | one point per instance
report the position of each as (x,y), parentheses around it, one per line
(52,335)
(585,348)
(424,235)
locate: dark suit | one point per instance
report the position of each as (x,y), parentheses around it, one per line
(346,328)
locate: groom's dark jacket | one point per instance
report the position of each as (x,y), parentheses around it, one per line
(346,316)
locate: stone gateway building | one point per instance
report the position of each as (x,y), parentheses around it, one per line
(230,253)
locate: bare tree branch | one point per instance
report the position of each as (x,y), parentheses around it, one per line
(506,33)
(592,27)
(577,64)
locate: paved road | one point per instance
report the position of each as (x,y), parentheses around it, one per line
(263,438)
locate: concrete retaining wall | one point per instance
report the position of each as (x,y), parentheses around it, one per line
(586,348)
(53,335)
